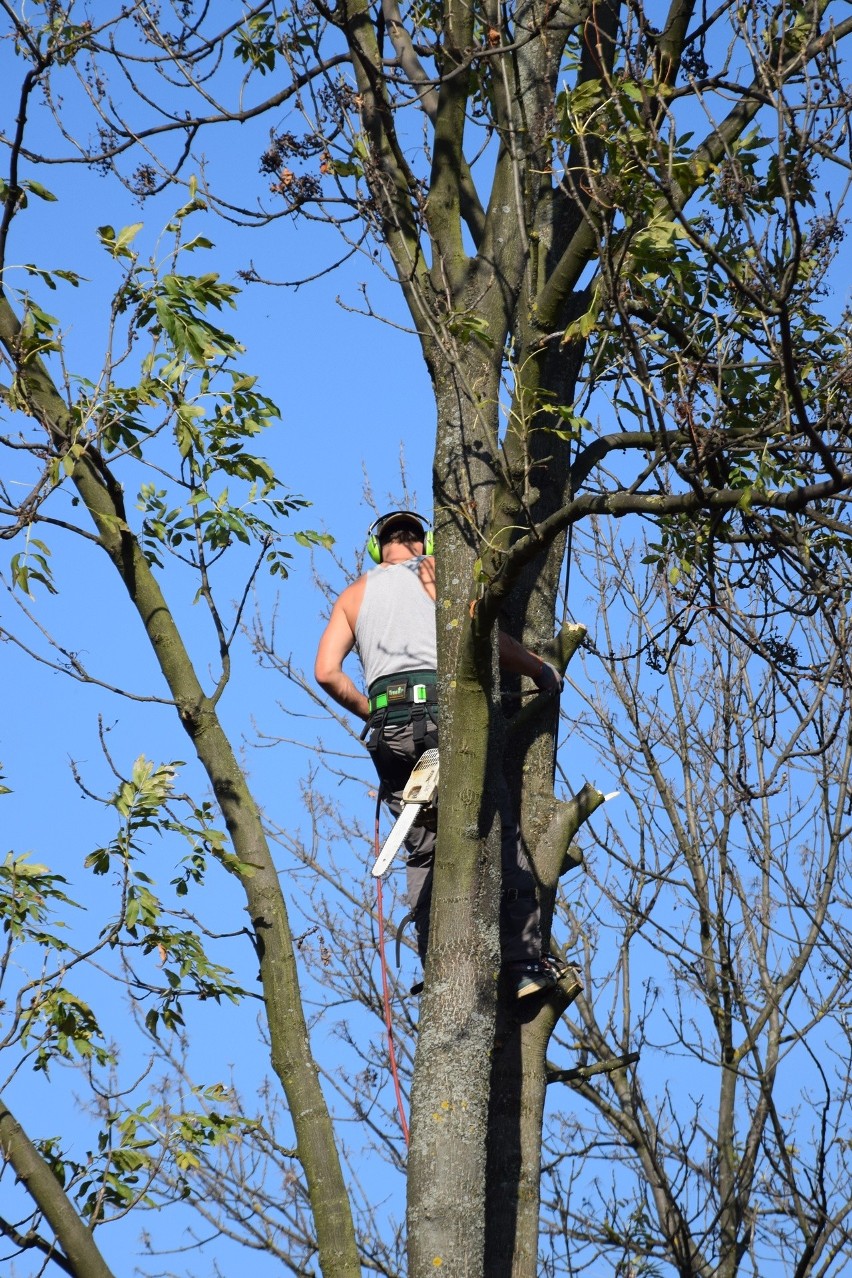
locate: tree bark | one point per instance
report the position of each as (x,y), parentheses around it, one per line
(76,1239)
(449,1101)
(519,1075)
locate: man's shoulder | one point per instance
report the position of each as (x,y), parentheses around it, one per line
(351,598)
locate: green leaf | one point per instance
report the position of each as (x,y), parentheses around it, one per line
(118,244)
(128,234)
(468,325)
(39,190)
(199,242)
(307,537)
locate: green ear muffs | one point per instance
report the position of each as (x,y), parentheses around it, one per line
(374,548)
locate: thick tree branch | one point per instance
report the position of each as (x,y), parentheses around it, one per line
(584,1072)
(82,1257)
(427,95)
(390,179)
(657,506)
(291,1055)
(450,263)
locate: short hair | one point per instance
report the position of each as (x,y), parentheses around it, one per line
(403,531)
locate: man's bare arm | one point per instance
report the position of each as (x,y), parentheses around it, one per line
(338,640)
(516,659)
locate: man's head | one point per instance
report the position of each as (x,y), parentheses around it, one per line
(398,527)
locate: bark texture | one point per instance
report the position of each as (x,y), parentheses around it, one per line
(79,1254)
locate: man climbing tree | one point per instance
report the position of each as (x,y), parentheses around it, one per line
(389,615)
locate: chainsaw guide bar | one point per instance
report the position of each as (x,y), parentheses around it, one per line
(421,789)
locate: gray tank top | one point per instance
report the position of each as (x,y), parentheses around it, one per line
(395,629)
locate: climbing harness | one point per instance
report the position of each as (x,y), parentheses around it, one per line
(398,700)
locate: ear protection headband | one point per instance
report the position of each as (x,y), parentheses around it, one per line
(374,547)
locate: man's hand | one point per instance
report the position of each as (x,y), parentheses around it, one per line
(516,659)
(548,679)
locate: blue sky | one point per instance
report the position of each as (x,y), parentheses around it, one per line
(354,395)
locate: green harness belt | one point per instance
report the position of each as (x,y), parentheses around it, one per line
(400,699)
(411,688)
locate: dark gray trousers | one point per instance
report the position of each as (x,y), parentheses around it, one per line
(395,753)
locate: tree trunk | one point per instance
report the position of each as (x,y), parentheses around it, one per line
(519,1075)
(449,1101)
(518,1087)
